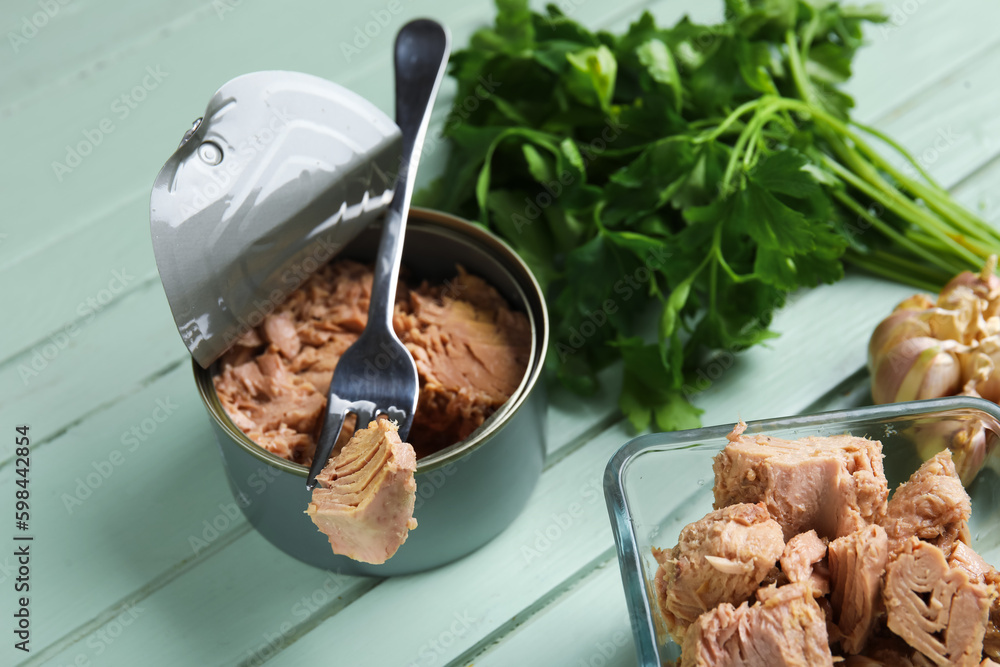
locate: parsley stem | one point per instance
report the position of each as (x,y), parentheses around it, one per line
(730,119)
(934,196)
(864,178)
(910,244)
(880,264)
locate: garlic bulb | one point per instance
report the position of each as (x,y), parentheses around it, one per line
(930,349)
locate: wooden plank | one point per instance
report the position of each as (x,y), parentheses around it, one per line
(117,499)
(586,627)
(239,607)
(48,42)
(97,361)
(952,129)
(978,192)
(921,44)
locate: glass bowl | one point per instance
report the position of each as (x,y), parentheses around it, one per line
(658,483)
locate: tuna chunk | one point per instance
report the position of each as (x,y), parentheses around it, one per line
(802,562)
(857,562)
(787,629)
(833,485)
(935,607)
(979,571)
(720,558)
(365,495)
(931,505)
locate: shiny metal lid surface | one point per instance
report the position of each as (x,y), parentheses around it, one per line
(283,170)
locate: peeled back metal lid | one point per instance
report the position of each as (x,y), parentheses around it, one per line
(283,170)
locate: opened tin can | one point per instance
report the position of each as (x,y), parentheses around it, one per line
(466,493)
(283,172)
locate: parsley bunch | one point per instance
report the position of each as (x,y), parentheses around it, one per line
(696,174)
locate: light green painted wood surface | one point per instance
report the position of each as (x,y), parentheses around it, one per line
(115,578)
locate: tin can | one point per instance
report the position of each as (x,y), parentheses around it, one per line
(466,493)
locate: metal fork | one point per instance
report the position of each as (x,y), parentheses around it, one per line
(376,375)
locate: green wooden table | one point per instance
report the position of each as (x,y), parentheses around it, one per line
(125,477)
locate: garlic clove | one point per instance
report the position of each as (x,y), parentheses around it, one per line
(957,316)
(897,327)
(985,285)
(983,372)
(968,438)
(915,302)
(916,368)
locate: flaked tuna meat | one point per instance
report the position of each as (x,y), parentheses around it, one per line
(720,558)
(275,408)
(802,561)
(857,563)
(365,495)
(834,485)
(280,331)
(471,352)
(935,607)
(786,629)
(470,348)
(932,505)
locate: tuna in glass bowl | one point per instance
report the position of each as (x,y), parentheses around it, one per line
(657,484)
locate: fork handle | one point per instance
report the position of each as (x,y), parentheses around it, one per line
(421,54)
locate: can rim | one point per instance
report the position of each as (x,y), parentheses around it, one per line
(537,313)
